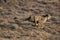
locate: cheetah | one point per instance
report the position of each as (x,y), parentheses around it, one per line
(39,20)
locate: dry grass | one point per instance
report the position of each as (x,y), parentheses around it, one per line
(14,27)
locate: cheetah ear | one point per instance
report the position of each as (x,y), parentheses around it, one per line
(46,15)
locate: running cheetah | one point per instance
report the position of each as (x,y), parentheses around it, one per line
(40,20)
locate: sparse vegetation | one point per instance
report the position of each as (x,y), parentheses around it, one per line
(13,25)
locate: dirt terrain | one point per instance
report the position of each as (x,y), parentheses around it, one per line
(14,27)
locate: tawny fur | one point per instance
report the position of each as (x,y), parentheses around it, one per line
(40,20)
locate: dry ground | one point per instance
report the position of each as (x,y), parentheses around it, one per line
(13,27)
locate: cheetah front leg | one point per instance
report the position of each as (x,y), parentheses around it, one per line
(39,25)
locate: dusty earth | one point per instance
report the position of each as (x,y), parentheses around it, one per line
(14,27)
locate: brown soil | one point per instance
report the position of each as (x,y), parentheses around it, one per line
(14,27)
